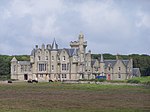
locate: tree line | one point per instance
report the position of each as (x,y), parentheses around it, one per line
(139,61)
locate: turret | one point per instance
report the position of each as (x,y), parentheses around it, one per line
(14,70)
(54,45)
(102,59)
(48,46)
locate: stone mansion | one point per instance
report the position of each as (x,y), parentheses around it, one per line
(52,63)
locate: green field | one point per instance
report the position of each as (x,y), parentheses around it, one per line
(57,97)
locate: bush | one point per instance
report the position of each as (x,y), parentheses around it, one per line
(147,83)
(4,77)
(116,81)
(133,81)
(100,80)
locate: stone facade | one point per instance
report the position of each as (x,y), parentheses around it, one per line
(51,63)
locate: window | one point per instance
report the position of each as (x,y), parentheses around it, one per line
(119,75)
(58,75)
(119,68)
(64,76)
(67,66)
(39,57)
(64,58)
(86,63)
(25,68)
(64,67)
(21,68)
(109,68)
(14,67)
(42,67)
(52,67)
(52,58)
(45,67)
(46,57)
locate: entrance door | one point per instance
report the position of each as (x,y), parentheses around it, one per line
(108,78)
(25,76)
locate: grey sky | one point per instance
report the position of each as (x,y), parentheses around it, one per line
(109,26)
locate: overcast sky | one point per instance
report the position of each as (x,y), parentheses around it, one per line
(109,26)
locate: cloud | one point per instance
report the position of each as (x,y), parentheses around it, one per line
(143,20)
(109,25)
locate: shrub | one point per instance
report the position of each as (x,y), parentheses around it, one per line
(133,81)
(100,80)
(116,81)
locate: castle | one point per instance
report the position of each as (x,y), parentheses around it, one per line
(51,63)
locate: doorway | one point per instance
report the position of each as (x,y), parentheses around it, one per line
(108,78)
(25,76)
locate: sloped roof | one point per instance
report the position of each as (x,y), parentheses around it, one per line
(136,72)
(125,62)
(93,62)
(33,52)
(54,44)
(14,59)
(113,62)
(71,51)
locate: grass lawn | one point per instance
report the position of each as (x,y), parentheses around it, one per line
(57,97)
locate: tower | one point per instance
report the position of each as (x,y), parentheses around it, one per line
(54,60)
(82,47)
(14,68)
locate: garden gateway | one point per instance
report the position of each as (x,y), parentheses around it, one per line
(52,63)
